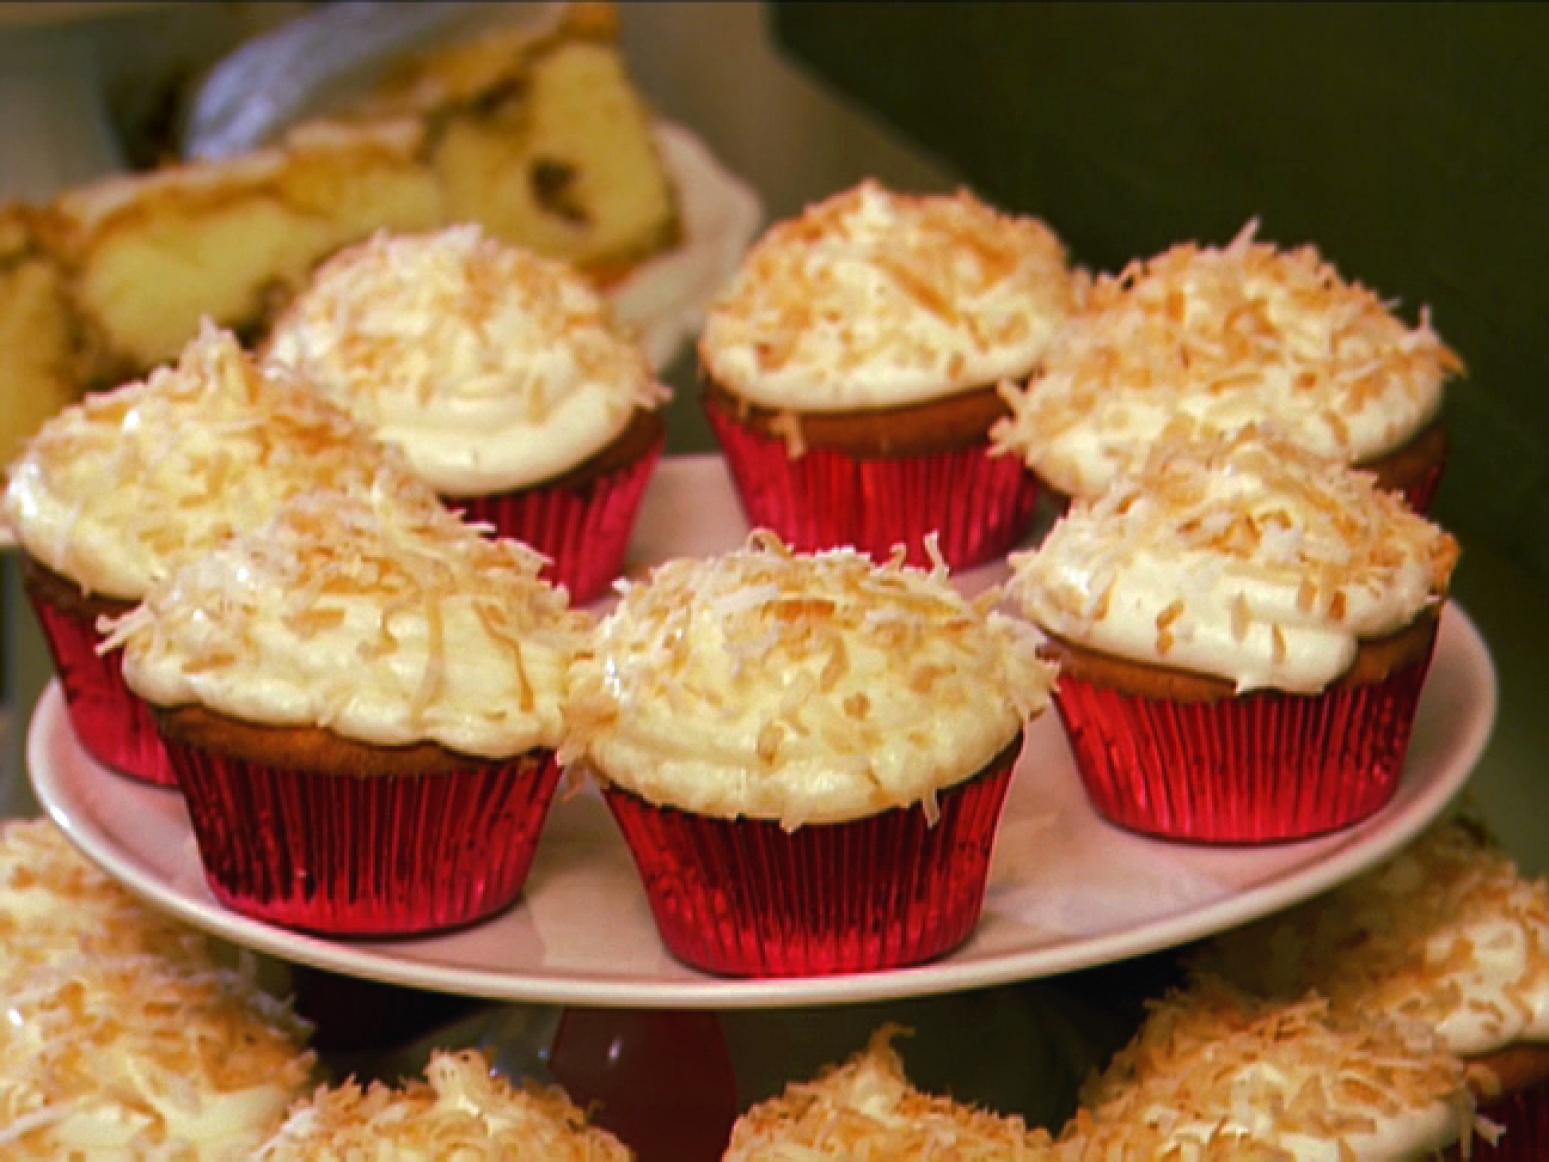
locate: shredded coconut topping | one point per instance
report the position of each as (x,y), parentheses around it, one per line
(1213,1074)
(866,1111)
(804,688)
(115,491)
(1242,557)
(382,618)
(872,299)
(490,366)
(1446,933)
(460,1111)
(1227,336)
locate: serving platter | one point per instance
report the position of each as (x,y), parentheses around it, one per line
(1066,890)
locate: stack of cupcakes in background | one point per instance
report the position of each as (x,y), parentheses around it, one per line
(501,376)
(850,370)
(117,491)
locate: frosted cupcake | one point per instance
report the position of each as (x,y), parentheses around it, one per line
(1213,1074)
(1242,632)
(866,1108)
(113,493)
(850,371)
(1245,334)
(806,754)
(103,1059)
(459,1111)
(1446,934)
(362,702)
(501,376)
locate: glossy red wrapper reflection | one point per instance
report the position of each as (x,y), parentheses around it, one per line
(584,530)
(978,505)
(745,897)
(384,855)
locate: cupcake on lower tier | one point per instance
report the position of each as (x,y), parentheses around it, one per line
(460,1110)
(1447,934)
(807,754)
(1215,1075)
(113,493)
(1242,632)
(850,371)
(1230,336)
(866,1108)
(503,379)
(362,702)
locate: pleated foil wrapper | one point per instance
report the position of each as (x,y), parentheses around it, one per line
(1523,1119)
(978,505)
(1260,767)
(745,897)
(113,725)
(583,529)
(380,855)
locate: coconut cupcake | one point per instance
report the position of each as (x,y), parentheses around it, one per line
(502,377)
(362,702)
(113,493)
(866,1108)
(1214,1074)
(1242,632)
(459,1111)
(850,371)
(1245,334)
(807,754)
(1446,934)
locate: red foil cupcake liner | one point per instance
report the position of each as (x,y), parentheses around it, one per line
(1258,768)
(1523,1116)
(583,529)
(348,855)
(1420,493)
(113,725)
(978,505)
(746,897)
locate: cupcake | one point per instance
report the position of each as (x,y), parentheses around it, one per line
(867,1108)
(113,493)
(1214,1074)
(1242,632)
(850,370)
(459,1111)
(1446,934)
(501,376)
(807,754)
(108,1058)
(361,701)
(1227,337)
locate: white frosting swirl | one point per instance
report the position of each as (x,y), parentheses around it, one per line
(1241,335)
(806,689)
(873,299)
(386,621)
(1245,559)
(493,368)
(115,491)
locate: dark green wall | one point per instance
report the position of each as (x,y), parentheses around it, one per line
(1411,143)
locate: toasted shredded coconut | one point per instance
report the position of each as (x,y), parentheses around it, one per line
(734,685)
(866,1111)
(1242,334)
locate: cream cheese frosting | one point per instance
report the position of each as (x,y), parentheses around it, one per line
(1215,1075)
(491,367)
(1225,337)
(867,1109)
(115,491)
(121,1059)
(1244,558)
(459,1113)
(873,299)
(802,688)
(1447,933)
(384,619)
